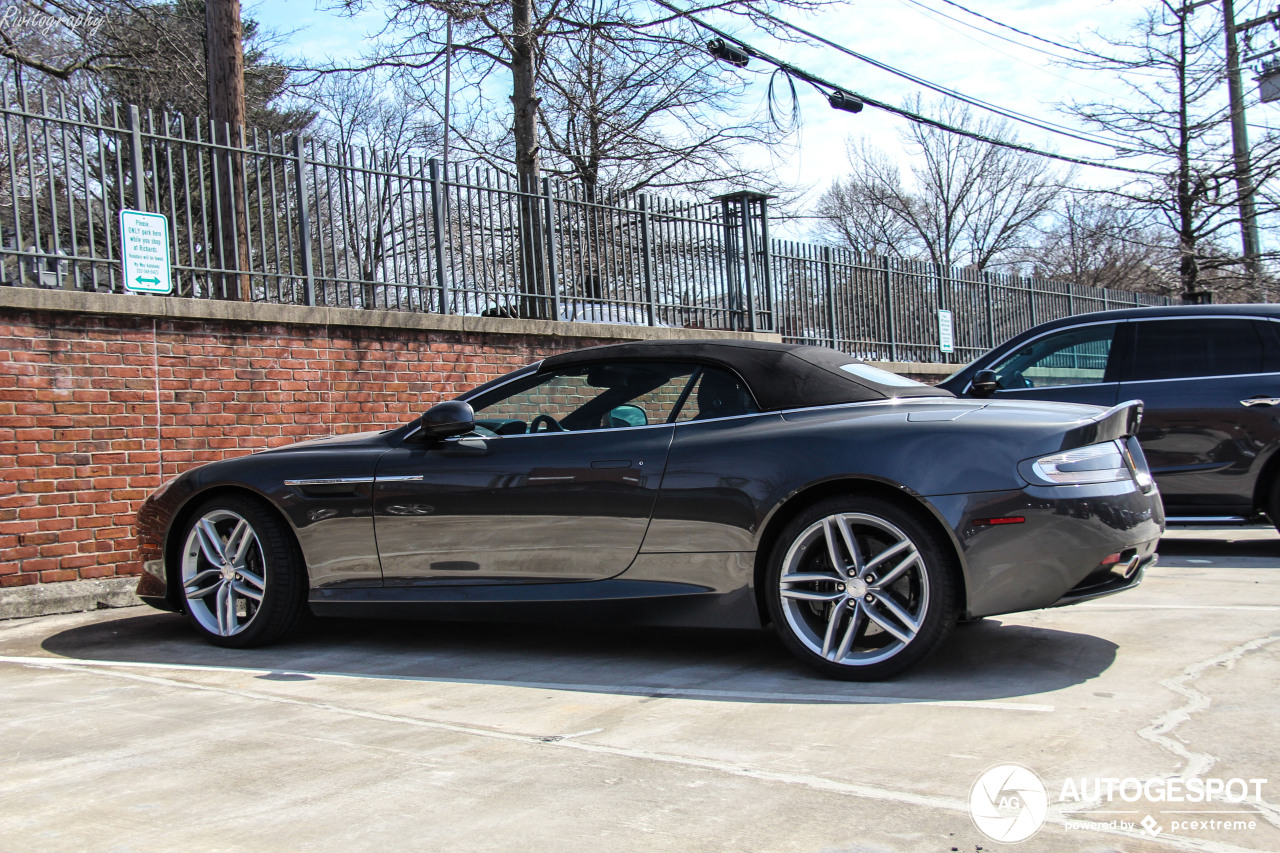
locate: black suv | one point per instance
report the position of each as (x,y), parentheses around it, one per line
(1208,374)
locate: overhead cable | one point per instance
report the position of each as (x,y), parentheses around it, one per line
(827,87)
(1013,115)
(1000,24)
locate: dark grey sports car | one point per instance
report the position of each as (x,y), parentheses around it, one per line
(728,484)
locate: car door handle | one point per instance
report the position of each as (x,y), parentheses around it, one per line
(611,463)
(1261,401)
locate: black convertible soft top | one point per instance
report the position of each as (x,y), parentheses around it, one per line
(781,376)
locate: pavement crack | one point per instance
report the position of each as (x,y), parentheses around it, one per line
(1196,763)
(1160,732)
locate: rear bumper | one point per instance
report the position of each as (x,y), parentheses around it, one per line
(1101,585)
(1055,555)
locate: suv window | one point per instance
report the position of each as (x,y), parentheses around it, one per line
(1071,357)
(1175,349)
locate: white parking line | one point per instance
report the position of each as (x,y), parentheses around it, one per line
(1258,608)
(626,690)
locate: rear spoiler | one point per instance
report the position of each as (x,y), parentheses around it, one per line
(1116,422)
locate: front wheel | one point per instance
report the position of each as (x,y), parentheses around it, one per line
(860,588)
(243,579)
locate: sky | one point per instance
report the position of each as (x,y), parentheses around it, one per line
(913,35)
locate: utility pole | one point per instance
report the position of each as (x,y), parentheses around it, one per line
(448,91)
(1240,147)
(224,68)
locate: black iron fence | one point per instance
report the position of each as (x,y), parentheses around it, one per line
(303,221)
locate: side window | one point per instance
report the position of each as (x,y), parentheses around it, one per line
(1270,331)
(1072,357)
(717,394)
(605,396)
(1173,349)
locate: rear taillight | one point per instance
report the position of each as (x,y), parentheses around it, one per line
(1096,463)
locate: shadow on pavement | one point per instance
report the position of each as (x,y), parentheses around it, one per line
(982,660)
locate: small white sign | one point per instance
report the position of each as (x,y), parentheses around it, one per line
(144,239)
(946,341)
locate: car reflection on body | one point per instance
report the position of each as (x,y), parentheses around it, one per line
(707,483)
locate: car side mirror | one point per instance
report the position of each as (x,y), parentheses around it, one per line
(452,417)
(985,383)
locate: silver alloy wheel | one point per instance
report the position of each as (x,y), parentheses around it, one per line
(223,572)
(854,589)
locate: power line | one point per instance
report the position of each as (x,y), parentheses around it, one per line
(827,88)
(1014,115)
(1000,24)
(962,30)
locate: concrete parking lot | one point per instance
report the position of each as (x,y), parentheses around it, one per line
(121,731)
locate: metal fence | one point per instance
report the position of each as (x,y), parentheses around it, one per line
(303,221)
(885,309)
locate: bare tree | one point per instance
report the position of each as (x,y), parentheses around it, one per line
(1095,243)
(1175,124)
(642,107)
(855,213)
(968,203)
(597,82)
(142,52)
(375,131)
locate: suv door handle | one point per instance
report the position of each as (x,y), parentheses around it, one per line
(1261,401)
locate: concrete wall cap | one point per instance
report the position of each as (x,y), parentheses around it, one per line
(265,313)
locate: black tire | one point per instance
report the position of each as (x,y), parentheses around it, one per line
(837,622)
(1273,502)
(255,595)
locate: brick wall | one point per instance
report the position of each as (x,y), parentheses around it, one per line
(102,398)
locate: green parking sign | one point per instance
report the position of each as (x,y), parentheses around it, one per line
(144,239)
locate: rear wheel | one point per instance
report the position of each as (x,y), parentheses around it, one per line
(243,579)
(860,588)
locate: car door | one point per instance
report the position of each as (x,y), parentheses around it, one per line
(1211,390)
(557,483)
(1079,364)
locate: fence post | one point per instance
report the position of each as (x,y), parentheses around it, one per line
(437,224)
(991,309)
(304,221)
(646,257)
(135,159)
(748,258)
(829,280)
(886,263)
(549,216)
(942,302)
(1031,298)
(732,279)
(766,267)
